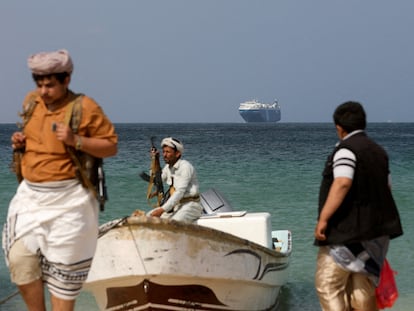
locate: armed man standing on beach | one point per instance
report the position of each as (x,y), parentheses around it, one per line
(357,216)
(184,201)
(52,223)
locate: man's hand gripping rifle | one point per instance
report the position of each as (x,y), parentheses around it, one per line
(155,186)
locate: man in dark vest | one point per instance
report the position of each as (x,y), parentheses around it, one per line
(357,216)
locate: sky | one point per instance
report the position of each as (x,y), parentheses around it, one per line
(194,61)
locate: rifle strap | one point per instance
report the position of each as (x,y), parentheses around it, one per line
(69,111)
(72,152)
(28,108)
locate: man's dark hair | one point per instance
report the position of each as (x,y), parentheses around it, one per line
(350,116)
(61,76)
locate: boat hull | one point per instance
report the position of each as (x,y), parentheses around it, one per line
(154,264)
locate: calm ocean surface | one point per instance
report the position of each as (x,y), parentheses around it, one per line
(258,167)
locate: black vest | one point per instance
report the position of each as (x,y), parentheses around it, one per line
(368,210)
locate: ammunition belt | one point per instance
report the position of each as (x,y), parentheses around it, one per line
(195,198)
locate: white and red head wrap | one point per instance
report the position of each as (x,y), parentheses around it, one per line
(173,143)
(45,63)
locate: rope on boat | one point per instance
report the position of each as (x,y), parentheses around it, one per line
(103,229)
(137,249)
(5,299)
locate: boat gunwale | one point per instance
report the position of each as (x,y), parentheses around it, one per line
(197,230)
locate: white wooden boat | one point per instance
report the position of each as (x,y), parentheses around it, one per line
(227,261)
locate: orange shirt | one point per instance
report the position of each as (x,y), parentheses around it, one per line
(46,158)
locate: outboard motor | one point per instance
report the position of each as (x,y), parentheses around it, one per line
(213,201)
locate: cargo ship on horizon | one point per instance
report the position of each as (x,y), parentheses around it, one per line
(254,111)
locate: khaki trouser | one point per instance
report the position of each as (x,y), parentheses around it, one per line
(187,212)
(342,290)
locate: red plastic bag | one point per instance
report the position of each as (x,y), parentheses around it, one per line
(386,291)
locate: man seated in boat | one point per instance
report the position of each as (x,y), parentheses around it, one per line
(183,203)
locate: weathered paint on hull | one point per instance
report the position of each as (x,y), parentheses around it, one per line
(151,264)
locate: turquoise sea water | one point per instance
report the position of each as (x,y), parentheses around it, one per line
(258,167)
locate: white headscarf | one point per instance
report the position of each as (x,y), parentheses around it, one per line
(173,143)
(45,63)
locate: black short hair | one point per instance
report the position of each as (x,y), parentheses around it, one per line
(61,76)
(350,116)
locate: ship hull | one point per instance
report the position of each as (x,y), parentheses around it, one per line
(260,115)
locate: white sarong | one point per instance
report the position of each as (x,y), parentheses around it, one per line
(59,221)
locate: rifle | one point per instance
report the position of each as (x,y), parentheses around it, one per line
(155,186)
